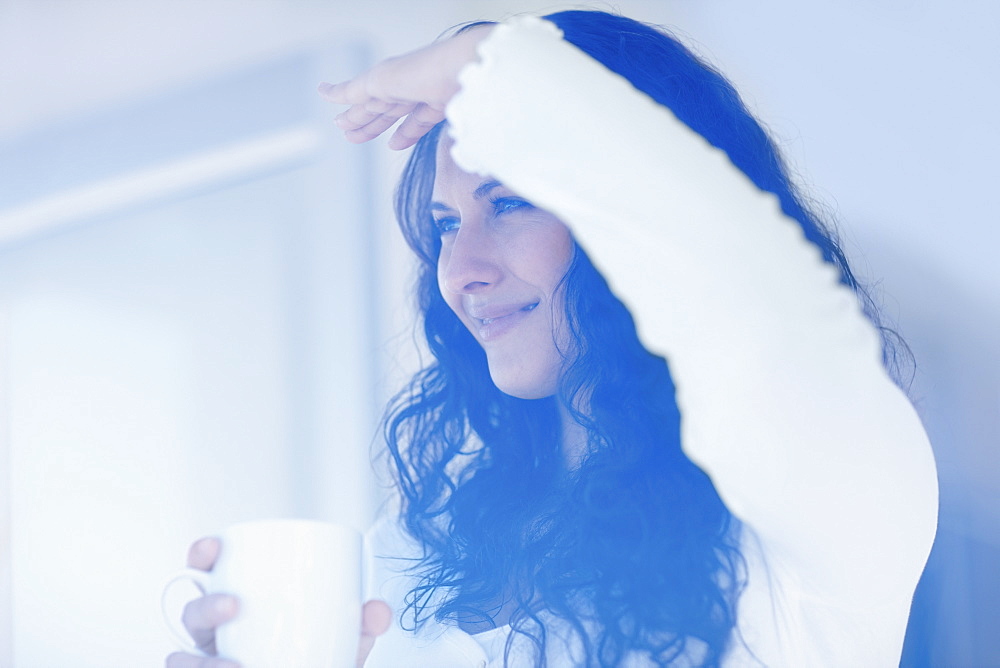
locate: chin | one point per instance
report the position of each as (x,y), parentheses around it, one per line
(525,388)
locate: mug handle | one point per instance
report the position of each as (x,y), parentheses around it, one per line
(200,579)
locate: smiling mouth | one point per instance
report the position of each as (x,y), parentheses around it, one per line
(487,321)
(494,327)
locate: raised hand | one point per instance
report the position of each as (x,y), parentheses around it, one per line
(415,87)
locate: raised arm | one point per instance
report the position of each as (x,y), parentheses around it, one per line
(784,399)
(783,396)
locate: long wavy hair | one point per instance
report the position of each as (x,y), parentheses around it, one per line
(634,550)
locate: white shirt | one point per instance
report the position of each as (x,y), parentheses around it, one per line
(784,399)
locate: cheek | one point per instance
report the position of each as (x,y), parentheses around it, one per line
(563,254)
(545,258)
(559,256)
(453,301)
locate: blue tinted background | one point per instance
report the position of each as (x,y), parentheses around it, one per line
(185,346)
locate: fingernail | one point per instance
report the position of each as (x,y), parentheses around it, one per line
(225,605)
(343,122)
(324,88)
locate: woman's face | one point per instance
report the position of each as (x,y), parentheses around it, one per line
(500,270)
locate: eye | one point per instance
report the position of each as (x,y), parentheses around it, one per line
(446,224)
(503,205)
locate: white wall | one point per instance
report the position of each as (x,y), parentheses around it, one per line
(886,107)
(185,286)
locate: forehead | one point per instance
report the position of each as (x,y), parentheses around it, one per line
(449,178)
(442,159)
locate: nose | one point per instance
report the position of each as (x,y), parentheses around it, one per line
(472,262)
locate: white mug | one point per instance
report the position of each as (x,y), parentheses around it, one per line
(299,588)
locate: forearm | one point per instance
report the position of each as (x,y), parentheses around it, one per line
(783,396)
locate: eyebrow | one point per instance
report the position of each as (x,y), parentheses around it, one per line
(482,191)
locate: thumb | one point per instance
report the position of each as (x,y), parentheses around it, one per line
(375,619)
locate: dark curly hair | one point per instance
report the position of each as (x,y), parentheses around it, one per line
(634,550)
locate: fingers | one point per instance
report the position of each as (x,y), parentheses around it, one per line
(360,115)
(360,123)
(416,85)
(378,98)
(375,619)
(363,123)
(370,131)
(203,553)
(417,124)
(345,92)
(367,87)
(203,615)
(180,660)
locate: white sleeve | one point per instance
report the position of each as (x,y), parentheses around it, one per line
(783,397)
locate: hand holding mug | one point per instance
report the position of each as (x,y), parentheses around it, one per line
(278,593)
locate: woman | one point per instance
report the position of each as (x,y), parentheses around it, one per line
(556,509)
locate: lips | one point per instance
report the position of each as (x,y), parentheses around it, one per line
(494,320)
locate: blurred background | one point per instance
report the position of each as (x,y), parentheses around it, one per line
(204,302)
